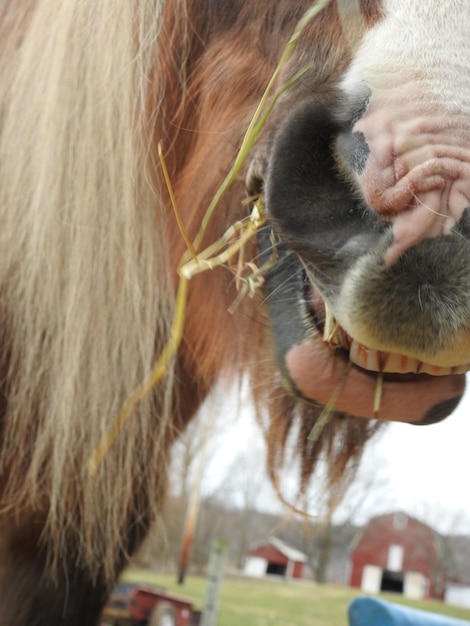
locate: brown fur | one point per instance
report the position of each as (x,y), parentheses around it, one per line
(89,251)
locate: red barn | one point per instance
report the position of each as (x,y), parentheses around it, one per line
(276,558)
(396,552)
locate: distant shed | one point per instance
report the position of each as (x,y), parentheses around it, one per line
(275,558)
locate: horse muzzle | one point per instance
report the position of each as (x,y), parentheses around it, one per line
(373,335)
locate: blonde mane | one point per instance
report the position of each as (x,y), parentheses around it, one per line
(85,289)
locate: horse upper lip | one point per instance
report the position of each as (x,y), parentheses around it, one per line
(366,357)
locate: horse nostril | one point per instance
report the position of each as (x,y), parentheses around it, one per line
(354,150)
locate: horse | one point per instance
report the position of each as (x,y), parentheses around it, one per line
(362,166)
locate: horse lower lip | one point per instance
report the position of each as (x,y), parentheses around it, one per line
(318,374)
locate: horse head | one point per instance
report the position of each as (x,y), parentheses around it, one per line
(366,181)
(363,168)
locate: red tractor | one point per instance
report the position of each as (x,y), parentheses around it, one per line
(137,605)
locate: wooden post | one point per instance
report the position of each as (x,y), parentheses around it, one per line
(214,581)
(188,531)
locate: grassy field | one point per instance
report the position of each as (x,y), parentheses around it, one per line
(250,602)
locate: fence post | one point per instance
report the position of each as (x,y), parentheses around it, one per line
(214,582)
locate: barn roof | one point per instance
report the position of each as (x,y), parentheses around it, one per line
(291,553)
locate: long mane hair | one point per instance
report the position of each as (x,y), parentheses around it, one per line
(87,266)
(83,271)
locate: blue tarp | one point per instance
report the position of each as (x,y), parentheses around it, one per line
(375,612)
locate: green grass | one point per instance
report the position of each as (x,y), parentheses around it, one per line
(252,602)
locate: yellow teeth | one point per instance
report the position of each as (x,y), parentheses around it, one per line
(378,361)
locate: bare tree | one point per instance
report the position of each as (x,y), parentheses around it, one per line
(329,525)
(245,487)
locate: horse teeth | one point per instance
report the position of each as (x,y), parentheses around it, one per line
(434,370)
(365,357)
(400,364)
(391,363)
(378,361)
